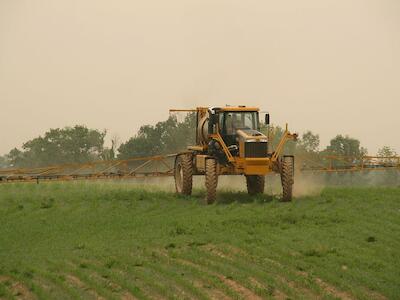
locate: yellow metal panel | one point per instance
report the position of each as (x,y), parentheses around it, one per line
(201,162)
(241,148)
(197,148)
(256,170)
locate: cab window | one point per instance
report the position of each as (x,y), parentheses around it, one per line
(230,122)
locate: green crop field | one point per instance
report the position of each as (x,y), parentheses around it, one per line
(113,241)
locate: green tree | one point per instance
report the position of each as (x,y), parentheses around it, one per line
(16,158)
(345,146)
(349,149)
(3,162)
(68,145)
(309,142)
(386,151)
(307,151)
(165,137)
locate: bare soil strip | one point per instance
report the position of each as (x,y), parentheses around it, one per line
(240,289)
(18,289)
(76,282)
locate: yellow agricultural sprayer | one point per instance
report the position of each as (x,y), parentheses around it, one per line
(229,142)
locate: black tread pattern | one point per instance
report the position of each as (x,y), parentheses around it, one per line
(287,178)
(186,163)
(255,184)
(211,180)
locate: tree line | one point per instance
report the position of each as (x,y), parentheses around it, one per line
(80,144)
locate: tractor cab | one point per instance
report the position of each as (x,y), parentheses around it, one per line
(230,122)
(239,128)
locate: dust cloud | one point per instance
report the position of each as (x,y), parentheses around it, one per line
(306,184)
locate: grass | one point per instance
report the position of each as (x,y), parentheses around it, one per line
(91,240)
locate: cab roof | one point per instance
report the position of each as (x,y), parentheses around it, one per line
(237,108)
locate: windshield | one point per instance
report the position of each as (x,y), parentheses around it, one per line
(230,122)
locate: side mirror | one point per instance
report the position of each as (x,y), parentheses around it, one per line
(266,119)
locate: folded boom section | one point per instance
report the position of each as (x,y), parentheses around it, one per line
(332,163)
(154,166)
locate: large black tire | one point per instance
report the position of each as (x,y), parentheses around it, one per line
(211,180)
(255,184)
(183,174)
(287,178)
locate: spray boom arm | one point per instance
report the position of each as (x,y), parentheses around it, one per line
(287,136)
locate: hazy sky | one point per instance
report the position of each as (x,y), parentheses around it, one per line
(331,66)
